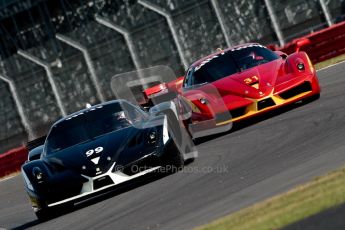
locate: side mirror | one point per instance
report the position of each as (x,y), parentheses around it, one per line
(282,54)
(154,110)
(162,107)
(35,153)
(301,43)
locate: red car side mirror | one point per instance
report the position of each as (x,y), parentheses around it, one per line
(302,42)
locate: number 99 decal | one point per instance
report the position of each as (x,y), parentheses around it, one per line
(92,151)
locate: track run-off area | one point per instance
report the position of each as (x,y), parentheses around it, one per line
(233,170)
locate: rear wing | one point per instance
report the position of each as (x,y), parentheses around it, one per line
(161,92)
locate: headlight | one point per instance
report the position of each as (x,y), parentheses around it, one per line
(152,137)
(203,101)
(38,174)
(300,66)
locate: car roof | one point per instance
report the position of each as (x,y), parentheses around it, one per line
(238,47)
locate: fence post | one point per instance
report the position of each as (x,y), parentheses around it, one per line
(128,39)
(48,70)
(171,26)
(275,23)
(221,21)
(326,12)
(19,106)
(88,60)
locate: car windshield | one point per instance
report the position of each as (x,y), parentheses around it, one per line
(91,124)
(228,63)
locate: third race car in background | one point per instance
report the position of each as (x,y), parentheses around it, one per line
(238,83)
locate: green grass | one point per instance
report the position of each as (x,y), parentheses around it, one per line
(329,62)
(318,195)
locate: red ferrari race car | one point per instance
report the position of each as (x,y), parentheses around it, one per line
(238,83)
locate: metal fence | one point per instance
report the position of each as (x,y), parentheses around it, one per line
(58,55)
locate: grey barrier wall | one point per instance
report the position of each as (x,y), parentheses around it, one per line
(73,80)
(108,52)
(69,59)
(250,16)
(297,18)
(197,27)
(153,43)
(336,9)
(35,91)
(12,131)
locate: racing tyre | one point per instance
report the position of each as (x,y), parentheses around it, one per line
(173,158)
(173,152)
(44,214)
(181,137)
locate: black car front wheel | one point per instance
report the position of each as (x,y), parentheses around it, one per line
(44,214)
(173,158)
(179,145)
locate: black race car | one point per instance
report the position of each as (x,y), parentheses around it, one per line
(100,147)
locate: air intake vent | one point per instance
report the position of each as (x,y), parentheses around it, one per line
(231,114)
(101,182)
(305,87)
(265,103)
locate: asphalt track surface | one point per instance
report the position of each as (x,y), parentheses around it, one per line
(255,162)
